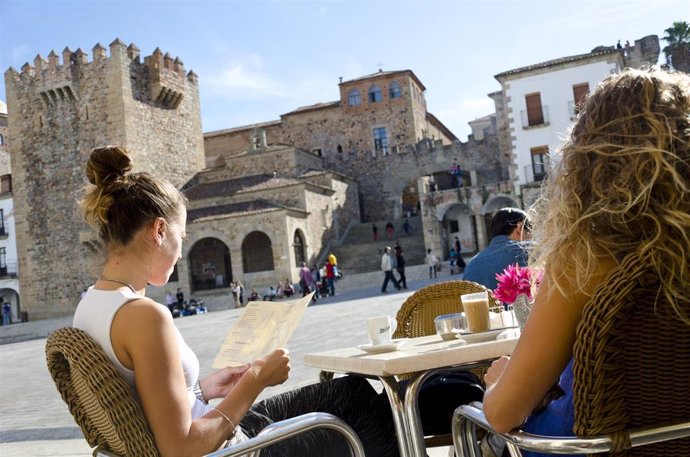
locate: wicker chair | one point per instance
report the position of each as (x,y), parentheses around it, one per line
(416,315)
(415,318)
(113,421)
(631,370)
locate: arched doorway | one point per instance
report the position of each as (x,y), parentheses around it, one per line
(410,199)
(8,295)
(257,253)
(299,247)
(209,265)
(458,221)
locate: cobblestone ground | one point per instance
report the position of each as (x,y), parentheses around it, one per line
(35,422)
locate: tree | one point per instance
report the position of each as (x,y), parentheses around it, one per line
(677,51)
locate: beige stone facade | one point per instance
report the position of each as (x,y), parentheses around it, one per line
(58,112)
(370,133)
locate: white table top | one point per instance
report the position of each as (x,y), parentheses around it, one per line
(415,354)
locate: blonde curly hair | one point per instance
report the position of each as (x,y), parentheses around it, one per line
(622,186)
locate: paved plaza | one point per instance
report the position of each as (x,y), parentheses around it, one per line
(35,422)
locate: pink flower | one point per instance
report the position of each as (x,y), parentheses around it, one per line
(515,280)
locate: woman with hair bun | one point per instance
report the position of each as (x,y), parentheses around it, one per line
(620,191)
(141,221)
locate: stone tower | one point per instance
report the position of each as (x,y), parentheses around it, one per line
(57,114)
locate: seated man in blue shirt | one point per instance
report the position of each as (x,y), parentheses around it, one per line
(509,227)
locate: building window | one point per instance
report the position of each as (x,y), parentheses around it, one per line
(534,114)
(353,97)
(394,90)
(580,92)
(3,232)
(257,253)
(317,152)
(2,140)
(3,262)
(380,140)
(539,163)
(339,149)
(298,245)
(5,183)
(375,95)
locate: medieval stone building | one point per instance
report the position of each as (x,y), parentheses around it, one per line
(262,198)
(58,111)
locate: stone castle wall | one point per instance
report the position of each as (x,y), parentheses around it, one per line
(59,112)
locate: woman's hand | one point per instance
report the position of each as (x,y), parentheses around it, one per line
(493,374)
(220,383)
(271,369)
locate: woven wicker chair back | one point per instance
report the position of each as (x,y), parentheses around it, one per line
(97,396)
(416,315)
(631,362)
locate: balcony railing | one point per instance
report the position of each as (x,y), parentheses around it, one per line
(8,269)
(536,172)
(487,176)
(534,118)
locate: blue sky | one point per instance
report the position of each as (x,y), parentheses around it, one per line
(258,59)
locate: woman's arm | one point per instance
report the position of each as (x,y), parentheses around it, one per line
(145,340)
(542,353)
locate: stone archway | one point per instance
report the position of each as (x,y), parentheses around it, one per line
(257,253)
(209,265)
(9,295)
(497,202)
(458,220)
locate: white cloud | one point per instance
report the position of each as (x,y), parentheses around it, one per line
(245,79)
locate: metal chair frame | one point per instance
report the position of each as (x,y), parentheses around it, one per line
(468,417)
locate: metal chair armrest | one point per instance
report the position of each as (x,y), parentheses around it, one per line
(282,430)
(468,417)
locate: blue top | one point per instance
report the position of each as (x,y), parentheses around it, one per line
(501,252)
(559,416)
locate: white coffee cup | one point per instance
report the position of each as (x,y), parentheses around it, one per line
(381,329)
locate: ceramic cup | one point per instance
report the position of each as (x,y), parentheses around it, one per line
(381,329)
(476,308)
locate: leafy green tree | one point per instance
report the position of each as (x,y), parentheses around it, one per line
(677,51)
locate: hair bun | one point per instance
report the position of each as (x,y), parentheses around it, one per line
(106,164)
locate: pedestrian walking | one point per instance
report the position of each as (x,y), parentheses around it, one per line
(389,230)
(305,279)
(330,277)
(6,314)
(400,265)
(387,268)
(431,261)
(375,232)
(406,226)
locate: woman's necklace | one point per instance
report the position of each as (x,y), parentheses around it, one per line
(103,278)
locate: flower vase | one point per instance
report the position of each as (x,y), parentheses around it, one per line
(522,307)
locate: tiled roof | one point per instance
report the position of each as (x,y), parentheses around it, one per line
(386,73)
(554,62)
(232,209)
(241,128)
(237,185)
(314,107)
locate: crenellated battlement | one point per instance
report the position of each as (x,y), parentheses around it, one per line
(60,107)
(57,77)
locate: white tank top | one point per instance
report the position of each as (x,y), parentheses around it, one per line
(95,314)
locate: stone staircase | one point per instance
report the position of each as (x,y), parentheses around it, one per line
(359,253)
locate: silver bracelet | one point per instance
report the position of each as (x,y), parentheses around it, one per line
(198,393)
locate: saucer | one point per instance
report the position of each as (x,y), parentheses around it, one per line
(379,348)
